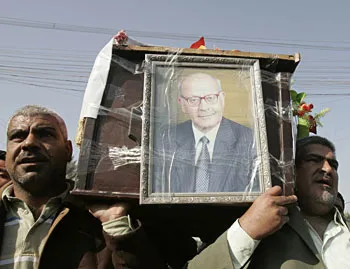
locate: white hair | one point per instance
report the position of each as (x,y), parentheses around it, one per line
(197,74)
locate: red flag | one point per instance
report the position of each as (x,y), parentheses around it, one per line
(198,43)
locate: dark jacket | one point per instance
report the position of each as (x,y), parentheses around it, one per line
(76,240)
(289,248)
(232,169)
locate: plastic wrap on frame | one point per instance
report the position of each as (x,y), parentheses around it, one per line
(97,81)
(99,75)
(282,166)
(176,126)
(173,121)
(110,157)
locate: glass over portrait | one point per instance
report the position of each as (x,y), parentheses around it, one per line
(203,131)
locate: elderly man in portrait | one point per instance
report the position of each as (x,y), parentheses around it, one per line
(208,153)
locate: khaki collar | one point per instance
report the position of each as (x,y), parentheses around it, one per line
(6,194)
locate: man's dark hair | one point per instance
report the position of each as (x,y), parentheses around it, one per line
(2,155)
(303,143)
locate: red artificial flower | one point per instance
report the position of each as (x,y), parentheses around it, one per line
(306,108)
(303,111)
(198,43)
(300,113)
(121,38)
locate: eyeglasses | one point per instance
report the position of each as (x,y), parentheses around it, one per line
(210,99)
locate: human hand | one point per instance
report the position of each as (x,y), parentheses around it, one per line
(267,214)
(108,212)
(3,181)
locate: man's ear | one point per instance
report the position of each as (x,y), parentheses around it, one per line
(181,104)
(69,150)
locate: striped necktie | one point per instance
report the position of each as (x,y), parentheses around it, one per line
(202,167)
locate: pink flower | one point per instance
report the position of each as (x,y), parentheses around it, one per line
(121,38)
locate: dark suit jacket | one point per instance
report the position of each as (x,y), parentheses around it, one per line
(233,162)
(289,248)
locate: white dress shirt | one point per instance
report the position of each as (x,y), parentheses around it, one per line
(334,249)
(211,135)
(335,246)
(242,246)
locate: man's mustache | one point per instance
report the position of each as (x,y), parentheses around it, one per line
(324,177)
(32,157)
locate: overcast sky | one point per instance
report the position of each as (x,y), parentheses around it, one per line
(51,67)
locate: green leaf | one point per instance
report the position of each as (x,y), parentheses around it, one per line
(322,113)
(293,95)
(303,122)
(303,131)
(300,97)
(318,123)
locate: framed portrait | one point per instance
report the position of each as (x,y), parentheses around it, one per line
(204,137)
(174,126)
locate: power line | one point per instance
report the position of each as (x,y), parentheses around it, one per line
(328,94)
(81,90)
(59,75)
(60,26)
(34,68)
(41,85)
(170,36)
(58,58)
(47,78)
(37,67)
(40,49)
